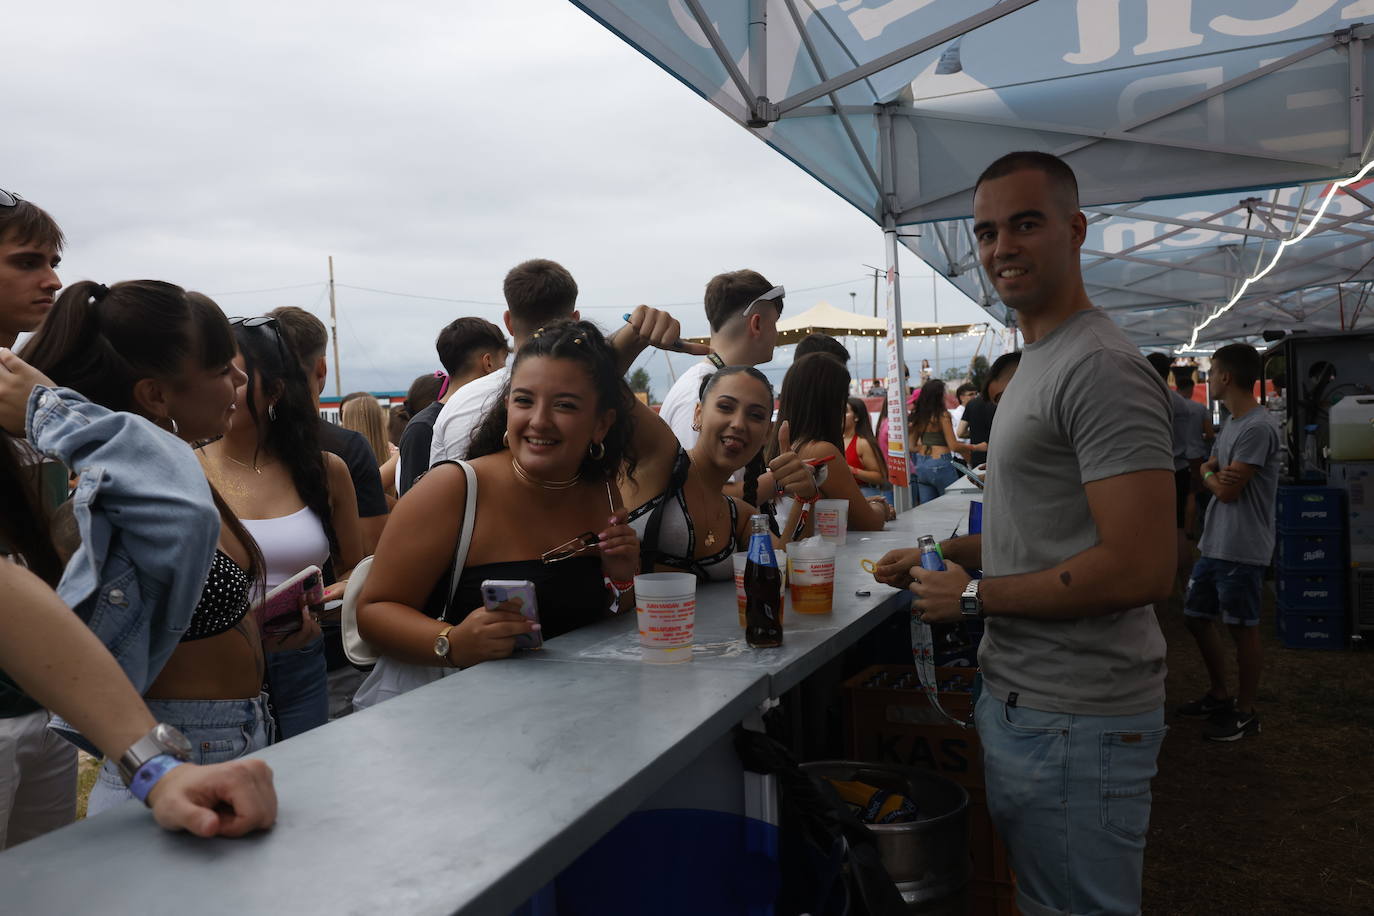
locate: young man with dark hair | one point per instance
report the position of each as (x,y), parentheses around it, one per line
(307,337)
(817,342)
(976,423)
(468,348)
(743,309)
(50,655)
(537,292)
(963,394)
(1201,435)
(30,250)
(1242,475)
(1071,717)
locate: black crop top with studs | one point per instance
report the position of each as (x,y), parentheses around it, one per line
(223,600)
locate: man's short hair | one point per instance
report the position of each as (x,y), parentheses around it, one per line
(820,343)
(1058,171)
(1000,367)
(1162,363)
(28,224)
(966,388)
(462,340)
(1183,377)
(1242,361)
(305,335)
(539,291)
(730,293)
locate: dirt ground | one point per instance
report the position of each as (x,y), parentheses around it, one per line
(1282,823)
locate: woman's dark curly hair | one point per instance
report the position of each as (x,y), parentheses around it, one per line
(581,342)
(813,400)
(756,465)
(293,436)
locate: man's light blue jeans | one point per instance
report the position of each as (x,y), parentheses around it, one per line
(1070,796)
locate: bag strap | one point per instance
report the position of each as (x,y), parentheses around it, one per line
(460,554)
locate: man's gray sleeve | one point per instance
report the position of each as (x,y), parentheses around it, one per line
(1116,413)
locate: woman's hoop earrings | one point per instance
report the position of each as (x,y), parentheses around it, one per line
(172,421)
(596,451)
(505,439)
(271,412)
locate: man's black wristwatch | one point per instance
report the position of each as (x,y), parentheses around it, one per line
(970,605)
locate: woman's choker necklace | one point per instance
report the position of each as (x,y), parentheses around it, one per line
(546,484)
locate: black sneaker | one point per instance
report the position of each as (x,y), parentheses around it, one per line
(1204,707)
(1231,725)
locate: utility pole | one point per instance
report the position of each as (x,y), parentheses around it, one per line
(876,273)
(334,331)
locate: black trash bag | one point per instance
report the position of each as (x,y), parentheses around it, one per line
(818,834)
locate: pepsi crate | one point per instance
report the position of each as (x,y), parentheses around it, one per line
(1322,590)
(1305,551)
(1306,630)
(1311,509)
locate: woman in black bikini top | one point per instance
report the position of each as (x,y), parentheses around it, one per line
(683,519)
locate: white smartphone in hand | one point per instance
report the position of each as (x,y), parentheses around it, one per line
(494,591)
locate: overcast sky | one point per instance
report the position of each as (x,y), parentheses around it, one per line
(428,147)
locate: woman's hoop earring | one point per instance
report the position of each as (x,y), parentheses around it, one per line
(173,421)
(271,412)
(596,451)
(505,439)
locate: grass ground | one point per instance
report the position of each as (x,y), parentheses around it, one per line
(1281,823)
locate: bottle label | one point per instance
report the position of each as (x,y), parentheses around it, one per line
(931,560)
(761,551)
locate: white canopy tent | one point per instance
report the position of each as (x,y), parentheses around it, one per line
(1204,134)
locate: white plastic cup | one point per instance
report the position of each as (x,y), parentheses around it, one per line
(666,607)
(832,520)
(741,558)
(812,576)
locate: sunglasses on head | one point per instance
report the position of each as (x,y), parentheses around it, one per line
(9,199)
(776,292)
(270,323)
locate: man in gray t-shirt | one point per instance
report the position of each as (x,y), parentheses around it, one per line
(1226,584)
(1078,541)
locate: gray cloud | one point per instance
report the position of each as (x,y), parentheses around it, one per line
(427,147)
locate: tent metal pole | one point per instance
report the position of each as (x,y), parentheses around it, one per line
(907,52)
(750,97)
(834,99)
(758,46)
(1063,152)
(896,361)
(1355,57)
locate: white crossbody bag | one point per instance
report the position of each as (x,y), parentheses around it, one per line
(390,677)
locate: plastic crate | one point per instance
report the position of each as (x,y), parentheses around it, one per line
(1322,590)
(1302,551)
(891,721)
(1306,630)
(1311,508)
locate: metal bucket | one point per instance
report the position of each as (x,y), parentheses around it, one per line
(928,858)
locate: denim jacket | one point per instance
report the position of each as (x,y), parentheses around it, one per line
(148,529)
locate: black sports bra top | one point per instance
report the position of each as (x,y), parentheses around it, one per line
(667,536)
(571,593)
(223,600)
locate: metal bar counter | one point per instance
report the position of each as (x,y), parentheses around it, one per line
(470,794)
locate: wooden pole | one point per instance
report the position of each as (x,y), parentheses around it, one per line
(334,331)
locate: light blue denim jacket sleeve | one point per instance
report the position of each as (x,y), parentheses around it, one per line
(148,529)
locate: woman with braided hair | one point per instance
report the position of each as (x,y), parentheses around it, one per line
(683,519)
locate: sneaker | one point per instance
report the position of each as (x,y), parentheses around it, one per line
(1231,725)
(1204,707)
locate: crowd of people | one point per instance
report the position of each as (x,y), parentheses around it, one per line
(165,467)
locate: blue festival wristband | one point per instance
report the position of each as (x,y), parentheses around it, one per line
(151,773)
